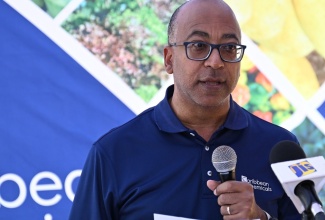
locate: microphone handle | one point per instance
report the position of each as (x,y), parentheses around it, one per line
(305,191)
(226,176)
(307,216)
(318,211)
(320,216)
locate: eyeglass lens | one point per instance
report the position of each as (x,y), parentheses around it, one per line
(200,51)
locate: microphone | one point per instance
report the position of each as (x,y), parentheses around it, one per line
(300,177)
(224,160)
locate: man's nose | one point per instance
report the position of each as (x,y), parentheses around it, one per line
(214,61)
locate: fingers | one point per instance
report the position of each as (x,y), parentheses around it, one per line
(235,187)
(220,188)
(236,199)
(235,193)
(212,185)
(235,211)
(228,210)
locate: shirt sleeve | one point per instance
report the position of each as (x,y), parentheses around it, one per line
(94,199)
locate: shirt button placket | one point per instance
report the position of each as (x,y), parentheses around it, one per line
(207,148)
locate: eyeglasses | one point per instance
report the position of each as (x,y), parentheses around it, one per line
(200,51)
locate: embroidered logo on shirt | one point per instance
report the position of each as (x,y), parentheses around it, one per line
(258,185)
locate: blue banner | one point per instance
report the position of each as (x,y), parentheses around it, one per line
(52,110)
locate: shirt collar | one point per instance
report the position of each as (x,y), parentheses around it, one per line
(166,119)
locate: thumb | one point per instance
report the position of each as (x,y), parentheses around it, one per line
(212,185)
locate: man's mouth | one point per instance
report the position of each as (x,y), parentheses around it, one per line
(212,83)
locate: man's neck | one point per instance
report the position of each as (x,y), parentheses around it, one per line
(204,120)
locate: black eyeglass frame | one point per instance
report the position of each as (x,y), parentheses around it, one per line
(212,46)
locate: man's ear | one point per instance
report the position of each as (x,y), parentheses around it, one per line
(168,59)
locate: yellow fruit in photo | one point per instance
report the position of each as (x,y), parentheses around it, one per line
(242,9)
(292,41)
(246,63)
(298,71)
(242,78)
(311,15)
(267,19)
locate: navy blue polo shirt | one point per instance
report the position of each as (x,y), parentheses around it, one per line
(153,164)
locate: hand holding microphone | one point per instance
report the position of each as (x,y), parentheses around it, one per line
(236,198)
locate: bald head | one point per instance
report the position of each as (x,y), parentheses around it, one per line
(201,7)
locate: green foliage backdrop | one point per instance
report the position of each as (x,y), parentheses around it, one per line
(128,36)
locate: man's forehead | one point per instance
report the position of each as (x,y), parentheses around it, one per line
(207,35)
(203,19)
(198,4)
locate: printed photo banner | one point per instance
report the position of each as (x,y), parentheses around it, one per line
(52,110)
(69,74)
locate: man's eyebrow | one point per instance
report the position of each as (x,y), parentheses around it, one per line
(206,35)
(198,33)
(230,36)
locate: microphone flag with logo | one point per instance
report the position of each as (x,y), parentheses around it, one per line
(301,178)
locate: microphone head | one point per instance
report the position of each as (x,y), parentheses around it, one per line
(286,151)
(224,159)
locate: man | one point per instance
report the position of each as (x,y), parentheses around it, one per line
(159,163)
